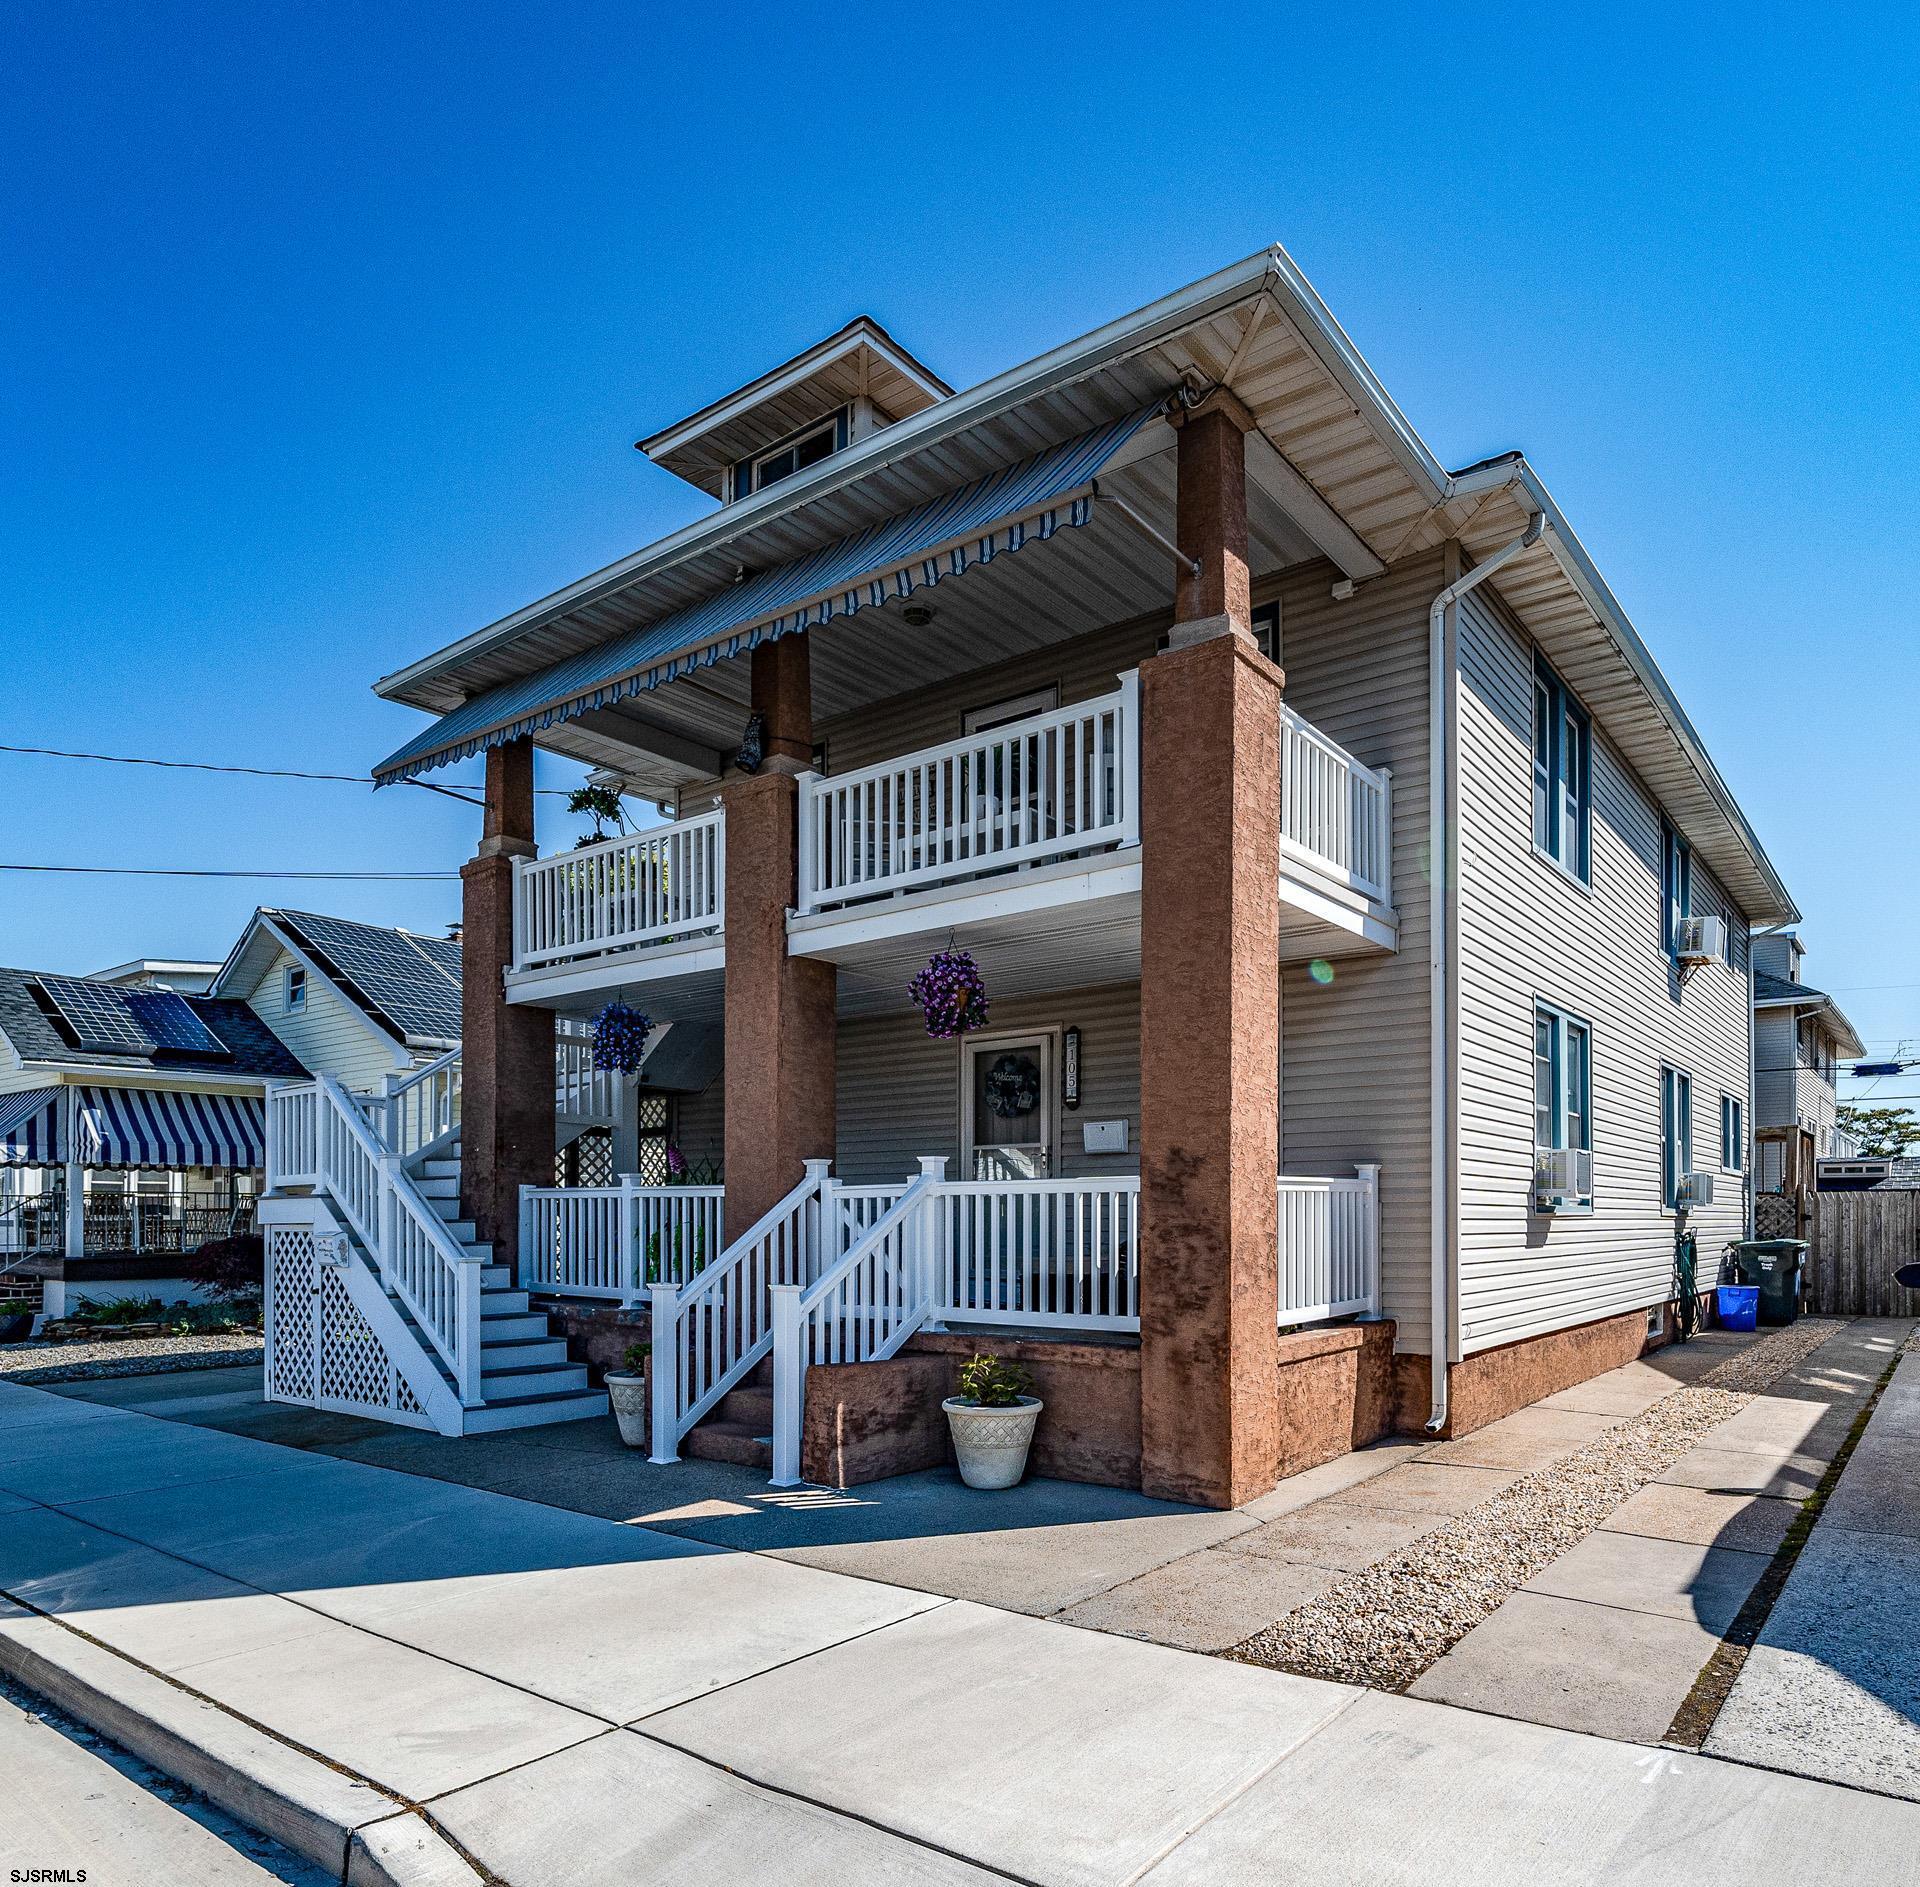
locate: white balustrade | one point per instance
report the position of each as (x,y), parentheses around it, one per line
(616,1241)
(643,887)
(293,1149)
(708,1334)
(1329,1246)
(1044,787)
(420,1111)
(1059,1253)
(1334,813)
(580,1090)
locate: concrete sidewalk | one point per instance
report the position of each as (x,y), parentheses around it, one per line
(575,1700)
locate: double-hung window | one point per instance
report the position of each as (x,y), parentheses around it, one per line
(296,987)
(1562,772)
(1676,1133)
(1733,1134)
(1563,1093)
(1676,886)
(813,442)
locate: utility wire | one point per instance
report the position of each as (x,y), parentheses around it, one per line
(171,871)
(263,773)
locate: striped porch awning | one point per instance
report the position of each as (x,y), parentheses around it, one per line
(166,1127)
(30,1127)
(1001,513)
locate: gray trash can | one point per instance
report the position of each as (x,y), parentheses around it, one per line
(1775,1265)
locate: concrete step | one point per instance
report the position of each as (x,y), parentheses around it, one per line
(445,1186)
(533,1411)
(508,1385)
(497,1298)
(743,1443)
(439,1168)
(509,1324)
(496,1277)
(523,1352)
(753,1407)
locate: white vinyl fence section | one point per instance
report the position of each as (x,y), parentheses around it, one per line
(1330,1247)
(616,1241)
(1334,813)
(1040,788)
(643,887)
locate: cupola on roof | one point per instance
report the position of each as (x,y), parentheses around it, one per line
(837,391)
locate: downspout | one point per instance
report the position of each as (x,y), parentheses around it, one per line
(1441,874)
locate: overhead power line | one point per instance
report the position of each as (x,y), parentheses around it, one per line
(261,773)
(183,871)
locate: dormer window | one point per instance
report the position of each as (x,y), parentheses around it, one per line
(818,440)
(296,987)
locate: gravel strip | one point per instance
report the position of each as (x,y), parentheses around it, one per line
(42,1363)
(1385,1625)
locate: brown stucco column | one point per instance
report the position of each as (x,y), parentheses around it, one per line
(506,1053)
(779,1009)
(1209,1014)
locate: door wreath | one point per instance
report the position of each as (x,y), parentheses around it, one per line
(1013,1086)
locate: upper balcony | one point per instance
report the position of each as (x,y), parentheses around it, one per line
(1025,835)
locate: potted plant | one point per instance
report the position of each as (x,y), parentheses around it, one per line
(627,1390)
(992,1421)
(16,1319)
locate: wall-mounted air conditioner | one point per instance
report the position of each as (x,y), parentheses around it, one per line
(1701,939)
(1696,1189)
(1562,1177)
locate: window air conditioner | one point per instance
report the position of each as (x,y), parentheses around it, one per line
(1562,1176)
(1696,1189)
(1701,939)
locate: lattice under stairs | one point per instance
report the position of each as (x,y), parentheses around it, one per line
(525,1376)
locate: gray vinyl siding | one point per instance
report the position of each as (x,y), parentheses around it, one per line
(899,1090)
(1354,1054)
(1528,933)
(327,1035)
(699,1124)
(1774,1070)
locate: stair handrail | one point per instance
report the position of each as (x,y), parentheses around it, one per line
(414,1255)
(727,1309)
(867,1328)
(421,1109)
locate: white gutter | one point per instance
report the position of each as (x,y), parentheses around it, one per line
(1442,702)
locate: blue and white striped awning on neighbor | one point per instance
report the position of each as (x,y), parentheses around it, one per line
(30,1127)
(165,1127)
(1018,505)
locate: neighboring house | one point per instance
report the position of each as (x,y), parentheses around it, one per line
(190,978)
(1800,1037)
(1364,924)
(131,1127)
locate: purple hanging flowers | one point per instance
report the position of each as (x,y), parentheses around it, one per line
(620,1037)
(952,993)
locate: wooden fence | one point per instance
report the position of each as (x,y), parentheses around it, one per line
(1860,1239)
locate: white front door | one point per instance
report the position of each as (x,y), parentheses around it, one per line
(1007,1095)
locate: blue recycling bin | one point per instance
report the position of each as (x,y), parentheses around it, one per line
(1738,1305)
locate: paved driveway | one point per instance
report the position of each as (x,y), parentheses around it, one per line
(583,1701)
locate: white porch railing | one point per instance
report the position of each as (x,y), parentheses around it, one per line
(1330,1247)
(422,1109)
(709,1334)
(1335,814)
(1036,789)
(318,1136)
(644,887)
(1058,1253)
(616,1241)
(580,1090)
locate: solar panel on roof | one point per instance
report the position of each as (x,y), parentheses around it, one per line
(407,985)
(112,1021)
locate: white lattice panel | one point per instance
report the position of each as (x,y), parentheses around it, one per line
(290,1288)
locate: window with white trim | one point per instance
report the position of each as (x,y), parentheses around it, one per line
(1676,1132)
(1733,1134)
(816,440)
(1266,630)
(1562,769)
(296,987)
(1562,1081)
(1676,886)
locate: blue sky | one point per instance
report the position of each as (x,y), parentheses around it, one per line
(331,328)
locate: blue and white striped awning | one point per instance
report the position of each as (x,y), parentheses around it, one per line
(30,1127)
(166,1127)
(1003,512)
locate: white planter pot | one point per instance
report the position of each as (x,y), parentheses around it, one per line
(991,1444)
(628,1394)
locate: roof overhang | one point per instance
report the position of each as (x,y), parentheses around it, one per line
(1846,1037)
(1331,448)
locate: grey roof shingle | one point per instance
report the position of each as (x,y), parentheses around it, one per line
(252,1047)
(1782,989)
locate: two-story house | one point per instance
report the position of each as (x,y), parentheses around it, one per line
(1800,1037)
(1362,925)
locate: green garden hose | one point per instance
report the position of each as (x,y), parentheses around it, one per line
(1687,1308)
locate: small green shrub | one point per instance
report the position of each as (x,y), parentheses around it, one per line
(118,1310)
(635,1357)
(992,1384)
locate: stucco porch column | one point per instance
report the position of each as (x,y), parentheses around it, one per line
(779,1028)
(1209,1006)
(506,1053)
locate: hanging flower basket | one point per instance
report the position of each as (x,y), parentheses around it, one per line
(952,994)
(620,1037)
